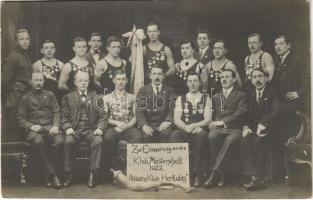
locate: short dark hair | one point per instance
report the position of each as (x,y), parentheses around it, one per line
(260,69)
(78,39)
(203,31)
(285,37)
(230,70)
(256,35)
(21,30)
(153,24)
(95,34)
(186,41)
(194,74)
(118,72)
(221,41)
(47,41)
(156,66)
(111,39)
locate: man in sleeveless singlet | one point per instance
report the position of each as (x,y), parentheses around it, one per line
(191,115)
(157,53)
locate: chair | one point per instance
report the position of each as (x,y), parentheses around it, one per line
(297,149)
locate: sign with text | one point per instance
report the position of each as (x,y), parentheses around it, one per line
(158,162)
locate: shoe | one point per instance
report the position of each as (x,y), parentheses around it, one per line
(48,182)
(197,182)
(221,183)
(56,182)
(68,180)
(210,182)
(253,185)
(91,182)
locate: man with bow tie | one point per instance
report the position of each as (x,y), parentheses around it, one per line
(95,43)
(39,115)
(263,110)
(205,52)
(230,108)
(83,119)
(291,83)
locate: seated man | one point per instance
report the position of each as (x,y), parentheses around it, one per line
(39,115)
(154,110)
(121,109)
(83,119)
(192,113)
(263,109)
(230,107)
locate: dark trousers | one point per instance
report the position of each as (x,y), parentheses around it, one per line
(40,145)
(110,140)
(198,142)
(69,153)
(253,153)
(158,136)
(222,143)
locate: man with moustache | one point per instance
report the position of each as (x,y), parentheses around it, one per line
(193,112)
(50,67)
(157,53)
(16,76)
(121,107)
(95,43)
(83,119)
(205,52)
(155,104)
(291,83)
(263,110)
(39,116)
(230,108)
(257,58)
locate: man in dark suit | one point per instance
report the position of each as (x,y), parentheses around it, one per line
(291,85)
(263,110)
(83,118)
(205,52)
(230,107)
(155,105)
(39,115)
(95,43)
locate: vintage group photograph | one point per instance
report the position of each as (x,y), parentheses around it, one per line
(156,99)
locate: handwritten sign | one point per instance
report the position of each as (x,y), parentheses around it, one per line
(158,162)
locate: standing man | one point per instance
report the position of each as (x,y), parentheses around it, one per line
(95,43)
(230,107)
(50,67)
(291,84)
(154,109)
(193,112)
(83,118)
(121,109)
(204,52)
(157,53)
(263,110)
(16,77)
(39,116)
(257,58)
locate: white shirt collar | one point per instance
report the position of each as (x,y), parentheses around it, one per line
(284,56)
(80,93)
(154,87)
(203,50)
(227,91)
(261,91)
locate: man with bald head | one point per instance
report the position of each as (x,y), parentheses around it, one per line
(39,116)
(83,119)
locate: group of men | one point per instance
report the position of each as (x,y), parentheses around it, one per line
(200,100)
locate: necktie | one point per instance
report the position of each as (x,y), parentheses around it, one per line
(258,96)
(83,98)
(157,90)
(280,59)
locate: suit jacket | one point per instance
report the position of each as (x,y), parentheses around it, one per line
(207,57)
(230,110)
(154,110)
(90,58)
(265,112)
(71,111)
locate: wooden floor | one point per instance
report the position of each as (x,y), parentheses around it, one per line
(109,191)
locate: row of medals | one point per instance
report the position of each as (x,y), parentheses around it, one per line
(249,67)
(194,110)
(83,69)
(51,73)
(181,73)
(157,58)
